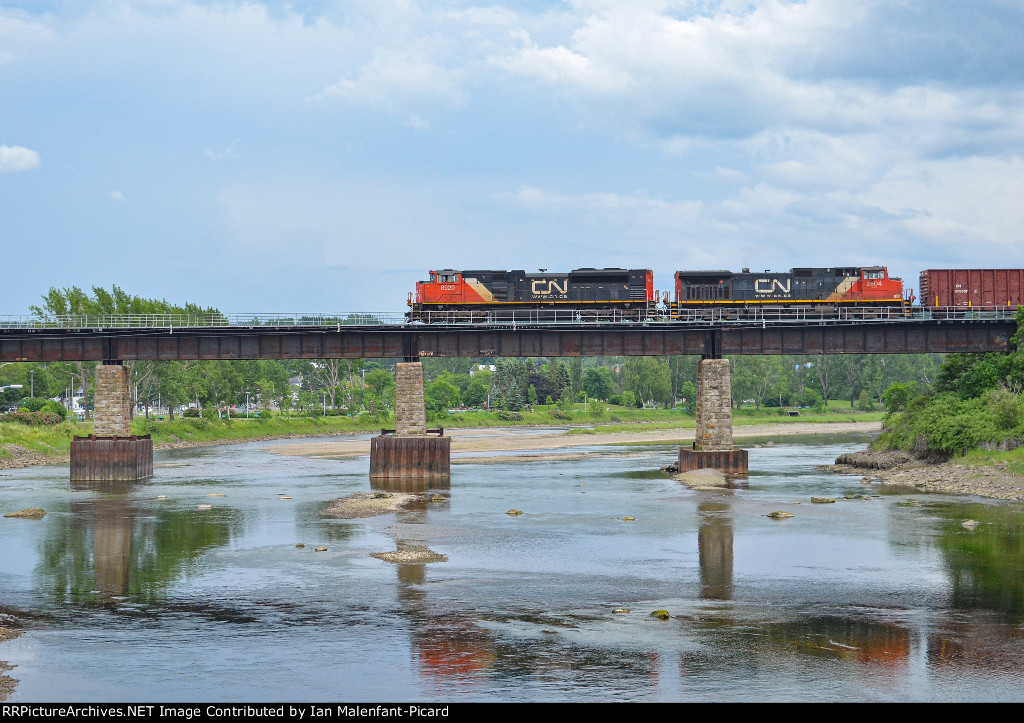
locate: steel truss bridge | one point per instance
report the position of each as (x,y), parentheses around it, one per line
(711,332)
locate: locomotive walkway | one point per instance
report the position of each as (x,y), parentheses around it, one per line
(710,333)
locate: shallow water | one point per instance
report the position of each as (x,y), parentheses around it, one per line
(129,597)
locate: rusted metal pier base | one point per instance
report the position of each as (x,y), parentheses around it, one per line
(394,457)
(107,459)
(731,461)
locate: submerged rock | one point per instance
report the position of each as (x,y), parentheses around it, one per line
(619,611)
(437,498)
(513,513)
(822,500)
(661,614)
(627,518)
(30,513)
(300,545)
(780,515)
(969,524)
(321,549)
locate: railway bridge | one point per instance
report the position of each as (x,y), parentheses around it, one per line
(112,453)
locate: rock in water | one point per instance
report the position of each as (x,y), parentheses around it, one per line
(780,515)
(661,614)
(822,500)
(701,478)
(514,512)
(30,513)
(969,524)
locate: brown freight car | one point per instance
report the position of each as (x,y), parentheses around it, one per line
(972,287)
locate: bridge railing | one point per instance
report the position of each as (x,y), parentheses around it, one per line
(508,318)
(191,321)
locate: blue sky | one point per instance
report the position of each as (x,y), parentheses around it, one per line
(322,156)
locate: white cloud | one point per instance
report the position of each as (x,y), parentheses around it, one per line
(229,152)
(395,82)
(117,196)
(17,158)
(417,123)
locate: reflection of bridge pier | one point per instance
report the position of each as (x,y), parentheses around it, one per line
(111,516)
(410,452)
(714,543)
(111,452)
(712,445)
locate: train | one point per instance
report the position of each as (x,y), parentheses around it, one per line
(617,294)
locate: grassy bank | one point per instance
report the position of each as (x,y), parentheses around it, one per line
(54,442)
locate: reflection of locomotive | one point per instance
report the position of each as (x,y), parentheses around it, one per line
(596,294)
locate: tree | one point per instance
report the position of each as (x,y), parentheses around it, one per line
(648,379)
(597,382)
(441,395)
(757,377)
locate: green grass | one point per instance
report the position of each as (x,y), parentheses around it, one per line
(1013,459)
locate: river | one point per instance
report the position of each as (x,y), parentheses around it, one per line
(144,595)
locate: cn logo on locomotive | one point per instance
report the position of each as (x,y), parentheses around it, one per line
(542,287)
(770,286)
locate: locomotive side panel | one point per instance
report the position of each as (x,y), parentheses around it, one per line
(800,285)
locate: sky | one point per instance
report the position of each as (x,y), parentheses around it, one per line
(318,156)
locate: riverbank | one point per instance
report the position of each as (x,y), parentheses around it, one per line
(7,683)
(996,479)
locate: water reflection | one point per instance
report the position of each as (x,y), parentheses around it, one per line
(985,565)
(714,542)
(111,548)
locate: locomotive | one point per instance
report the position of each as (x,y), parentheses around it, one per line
(590,294)
(817,289)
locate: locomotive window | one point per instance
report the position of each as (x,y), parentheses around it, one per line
(873,275)
(447,278)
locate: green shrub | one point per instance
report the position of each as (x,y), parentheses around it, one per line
(191,413)
(34,419)
(559,414)
(509,416)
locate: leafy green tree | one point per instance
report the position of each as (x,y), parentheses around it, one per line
(648,379)
(441,395)
(597,382)
(476,393)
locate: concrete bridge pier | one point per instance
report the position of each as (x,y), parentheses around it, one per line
(111,452)
(712,445)
(409,452)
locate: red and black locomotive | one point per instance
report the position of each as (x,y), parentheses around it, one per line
(629,294)
(593,293)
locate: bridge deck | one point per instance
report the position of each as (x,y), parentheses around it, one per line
(364,336)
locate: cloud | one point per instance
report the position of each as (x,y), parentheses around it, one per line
(228,152)
(395,82)
(117,196)
(17,158)
(417,123)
